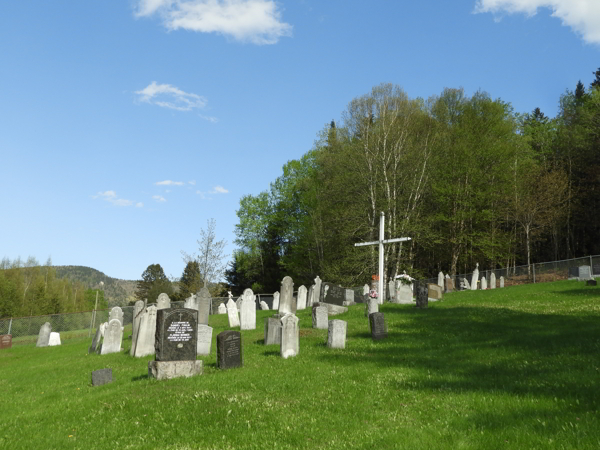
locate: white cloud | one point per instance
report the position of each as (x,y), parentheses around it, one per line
(170,97)
(159,198)
(583,16)
(255,21)
(169,183)
(219,190)
(209,118)
(193,182)
(111,197)
(139,205)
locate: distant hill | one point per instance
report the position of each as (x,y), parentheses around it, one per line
(116,292)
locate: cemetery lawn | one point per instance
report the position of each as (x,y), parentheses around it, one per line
(512,368)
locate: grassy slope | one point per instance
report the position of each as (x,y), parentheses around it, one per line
(513,368)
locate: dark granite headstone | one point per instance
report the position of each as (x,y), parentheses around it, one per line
(176,334)
(5,341)
(333,294)
(421,294)
(102,376)
(378,326)
(591,283)
(229,349)
(596,269)
(573,272)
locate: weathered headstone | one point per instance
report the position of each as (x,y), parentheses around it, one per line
(440,279)
(44,335)
(585,273)
(434,291)
(422,296)
(573,273)
(229,349)
(333,310)
(378,326)
(365,296)
(276,301)
(596,269)
(204,301)
(591,282)
(287,303)
(333,294)
(95,341)
(392,291)
(290,337)
(371,306)
(465,284)
(475,278)
(349,297)
(248,311)
(204,339)
(54,339)
(404,293)
(492,280)
(319,317)
(5,341)
(238,303)
(176,334)
(116,313)
(317,291)
(113,336)
(449,284)
(272,331)
(222,309)
(146,333)
(301,303)
(103,327)
(191,302)
(102,376)
(336,334)
(232,313)
(263,305)
(483,283)
(138,309)
(501,282)
(310,296)
(163,301)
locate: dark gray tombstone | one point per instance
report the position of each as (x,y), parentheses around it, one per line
(421,294)
(596,269)
(272,331)
(378,326)
(333,294)
(102,376)
(176,334)
(96,341)
(229,349)
(591,283)
(573,272)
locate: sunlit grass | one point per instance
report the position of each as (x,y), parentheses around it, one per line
(515,368)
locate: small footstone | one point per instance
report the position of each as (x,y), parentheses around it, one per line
(378,326)
(336,336)
(421,295)
(591,283)
(102,376)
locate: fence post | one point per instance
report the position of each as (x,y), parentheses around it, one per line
(534,273)
(9,325)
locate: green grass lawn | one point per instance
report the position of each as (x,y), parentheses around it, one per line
(513,368)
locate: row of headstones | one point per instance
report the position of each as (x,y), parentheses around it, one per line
(483,284)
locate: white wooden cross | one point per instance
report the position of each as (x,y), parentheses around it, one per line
(381,241)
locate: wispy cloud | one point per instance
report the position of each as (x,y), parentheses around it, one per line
(159,198)
(255,21)
(583,16)
(219,190)
(169,183)
(193,182)
(171,97)
(111,197)
(139,205)
(209,118)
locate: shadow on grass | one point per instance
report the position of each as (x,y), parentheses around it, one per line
(487,349)
(588,291)
(140,377)
(271,353)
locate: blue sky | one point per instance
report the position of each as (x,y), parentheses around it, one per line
(126,125)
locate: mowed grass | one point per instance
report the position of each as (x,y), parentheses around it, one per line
(513,368)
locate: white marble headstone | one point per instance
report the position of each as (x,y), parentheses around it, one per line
(302,292)
(290,340)
(232,313)
(55,338)
(336,335)
(248,311)
(113,336)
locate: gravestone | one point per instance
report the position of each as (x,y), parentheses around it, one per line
(146,333)
(229,349)
(492,280)
(272,331)
(176,334)
(287,303)
(573,273)
(349,297)
(301,303)
(116,313)
(163,301)
(5,341)
(138,309)
(585,273)
(54,339)
(333,310)
(290,337)
(204,339)
(336,334)
(392,290)
(333,294)
(591,283)
(465,285)
(365,296)
(204,301)
(501,282)
(102,327)
(483,283)
(404,293)
(371,306)
(248,311)
(238,303)
(222,309)
(44,335)
(102,376)
(421,295)
(449,284)
(191,302)
(319,317)
(596,269)
(440,279)
(434,291)
(317,291)
(475,278)
(378,326)
(263,305)
(310,296)
(113,336)
(96,340)
(232,313)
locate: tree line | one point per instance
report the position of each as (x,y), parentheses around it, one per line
(467,178)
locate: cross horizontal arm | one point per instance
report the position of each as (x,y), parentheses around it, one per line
(360,244)
(389,241)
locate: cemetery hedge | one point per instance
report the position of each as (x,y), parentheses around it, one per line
(506,368)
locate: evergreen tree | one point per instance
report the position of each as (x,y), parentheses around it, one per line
(596,82)
(153,283)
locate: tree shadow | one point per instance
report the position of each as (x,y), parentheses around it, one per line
(271,353)
(141,377)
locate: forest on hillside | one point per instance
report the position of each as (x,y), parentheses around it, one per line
(467,178)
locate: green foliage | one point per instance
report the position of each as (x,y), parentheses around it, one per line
(153,283)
